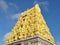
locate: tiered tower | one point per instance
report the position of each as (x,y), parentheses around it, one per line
(30,26)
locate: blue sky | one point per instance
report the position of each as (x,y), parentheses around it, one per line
(10,11)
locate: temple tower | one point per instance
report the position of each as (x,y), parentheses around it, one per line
(30,29)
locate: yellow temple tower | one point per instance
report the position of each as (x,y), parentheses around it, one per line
(30,27)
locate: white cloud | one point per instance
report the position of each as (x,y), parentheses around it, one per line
(3,5)
(58,43)
(6,35)
(14,5)
(45,5)
(15,16)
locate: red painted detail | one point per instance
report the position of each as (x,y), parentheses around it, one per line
(24,16)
